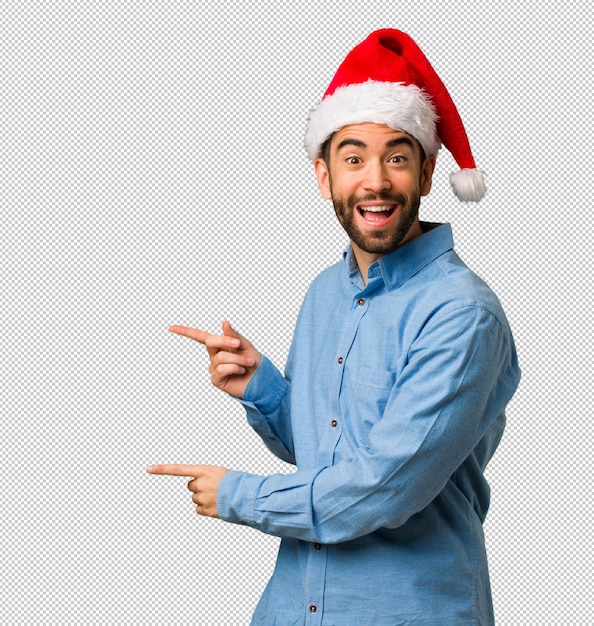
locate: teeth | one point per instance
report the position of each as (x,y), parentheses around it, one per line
(376,209)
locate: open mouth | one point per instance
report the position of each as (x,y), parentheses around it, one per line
(376,215)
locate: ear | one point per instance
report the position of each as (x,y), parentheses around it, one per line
(323,176)
(427,174)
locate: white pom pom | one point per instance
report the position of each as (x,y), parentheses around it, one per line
(468,184)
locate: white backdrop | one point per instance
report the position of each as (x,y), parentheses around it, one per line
(152,171)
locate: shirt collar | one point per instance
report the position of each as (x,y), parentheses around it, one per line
(398,266)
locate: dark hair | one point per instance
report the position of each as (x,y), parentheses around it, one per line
(325,150)
(423,155)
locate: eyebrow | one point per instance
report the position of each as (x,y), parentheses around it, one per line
(360,144)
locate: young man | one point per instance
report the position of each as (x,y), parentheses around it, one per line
(394,393)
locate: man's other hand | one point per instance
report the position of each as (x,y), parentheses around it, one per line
(233,359)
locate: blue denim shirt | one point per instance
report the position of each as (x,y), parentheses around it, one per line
(391,405)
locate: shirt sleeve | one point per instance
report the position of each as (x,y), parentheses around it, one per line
(447,402)
(266,401)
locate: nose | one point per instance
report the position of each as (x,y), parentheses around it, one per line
(376,177)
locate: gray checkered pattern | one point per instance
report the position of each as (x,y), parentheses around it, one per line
(152,172)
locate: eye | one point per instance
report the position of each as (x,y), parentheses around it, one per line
(397,158)
(353,160)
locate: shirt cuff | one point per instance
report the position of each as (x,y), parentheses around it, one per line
(236,497)
(265,389)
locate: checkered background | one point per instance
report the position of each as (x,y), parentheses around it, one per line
(152,172)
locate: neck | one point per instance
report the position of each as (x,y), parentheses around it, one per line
(366,259)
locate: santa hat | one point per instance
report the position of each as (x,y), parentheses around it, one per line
(387,79)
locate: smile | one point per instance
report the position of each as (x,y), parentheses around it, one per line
(376,215)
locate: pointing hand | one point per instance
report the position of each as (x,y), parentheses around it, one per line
(204,483)
(233,359)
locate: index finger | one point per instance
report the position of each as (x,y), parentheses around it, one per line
(191,471)
(218,342)
(193,333)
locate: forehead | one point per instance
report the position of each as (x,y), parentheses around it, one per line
(370,134)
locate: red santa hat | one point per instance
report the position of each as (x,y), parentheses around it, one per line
(387,79)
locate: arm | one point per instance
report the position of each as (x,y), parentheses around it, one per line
(266,401)
(447,404)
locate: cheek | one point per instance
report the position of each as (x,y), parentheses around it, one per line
(343,183)
(408,181)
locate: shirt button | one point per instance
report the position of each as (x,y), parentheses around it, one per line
(340,360)
(318,546)
(313,608)
(334,423)
(361,301)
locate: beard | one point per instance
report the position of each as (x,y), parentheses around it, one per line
(380,241)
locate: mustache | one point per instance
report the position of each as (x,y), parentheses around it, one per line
(388,198)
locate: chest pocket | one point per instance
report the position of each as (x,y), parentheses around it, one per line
(370,391)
